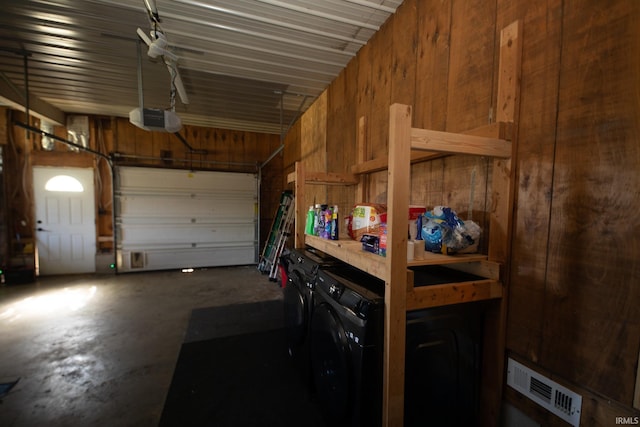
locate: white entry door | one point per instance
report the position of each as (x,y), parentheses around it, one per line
(65,220)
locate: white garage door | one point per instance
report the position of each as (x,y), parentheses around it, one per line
(168,219)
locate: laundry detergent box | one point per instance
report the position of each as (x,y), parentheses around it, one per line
(415,213)
(366,218)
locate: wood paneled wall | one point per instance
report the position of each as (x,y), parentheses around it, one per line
(590,315)
(224,150)
(574,300)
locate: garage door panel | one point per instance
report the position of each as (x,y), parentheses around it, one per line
(167,219)
(176,181)
(188,234)
(210,257)
(135,207)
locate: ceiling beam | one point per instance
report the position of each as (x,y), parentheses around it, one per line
(11,96)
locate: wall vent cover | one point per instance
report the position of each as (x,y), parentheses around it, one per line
(547,393)
(137,259)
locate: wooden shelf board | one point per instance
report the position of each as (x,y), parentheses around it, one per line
(497,130)
(326,178)
(350,251)
(486,269)
(375,165)
(448,142)
(439,259)
(501,132)
(382,163)
(331,178)
(453,293)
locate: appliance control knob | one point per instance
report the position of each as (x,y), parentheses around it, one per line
(334,291)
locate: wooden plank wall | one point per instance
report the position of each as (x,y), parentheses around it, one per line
(378,128)
(227,150)
(539,92)
(411,65)
(17,192)
(291,152)
(314,154)
(574,311)
(430,111)
(594,200)
(340,149)
(290,155)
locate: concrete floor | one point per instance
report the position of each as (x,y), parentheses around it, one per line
(100,350)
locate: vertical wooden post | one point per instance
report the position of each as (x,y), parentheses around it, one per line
(508,101)
(362,190)
(300,210)
(4,126)
(636,394)
(501,215)
(396,264)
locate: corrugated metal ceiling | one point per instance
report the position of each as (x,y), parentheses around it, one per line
(245,64)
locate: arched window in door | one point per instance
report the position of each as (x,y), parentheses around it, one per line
(64,183)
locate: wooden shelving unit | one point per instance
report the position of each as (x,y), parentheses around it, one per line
(351,252)
(408,145)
